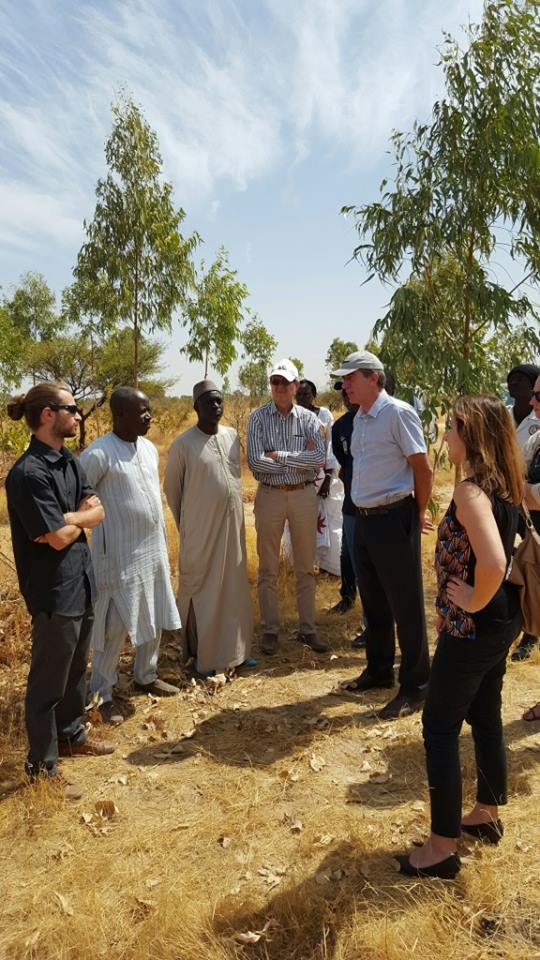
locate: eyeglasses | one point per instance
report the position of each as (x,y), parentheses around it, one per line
(536,395)
(278,382)
(70,407)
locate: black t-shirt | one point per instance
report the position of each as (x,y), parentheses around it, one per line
(341,446)
(42,486)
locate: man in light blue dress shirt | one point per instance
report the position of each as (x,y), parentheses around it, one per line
(391,485)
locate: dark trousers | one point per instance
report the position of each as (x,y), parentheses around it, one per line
(348,577)
(388,566)
(465,684)
(56,691)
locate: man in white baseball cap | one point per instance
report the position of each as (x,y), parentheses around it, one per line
(286,449)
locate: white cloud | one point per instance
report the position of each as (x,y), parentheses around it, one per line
(235,90)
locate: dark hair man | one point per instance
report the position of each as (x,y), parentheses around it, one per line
(204,491)
(50,505)
(134,593)
(390,463)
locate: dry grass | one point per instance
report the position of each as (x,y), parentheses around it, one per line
(232,836)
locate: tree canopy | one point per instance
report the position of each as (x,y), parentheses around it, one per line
(465,198)
(135,267)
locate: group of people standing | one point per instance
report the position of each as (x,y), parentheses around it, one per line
(123,589)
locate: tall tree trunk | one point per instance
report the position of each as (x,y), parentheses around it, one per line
(136,329)
(206,363)
(135,353)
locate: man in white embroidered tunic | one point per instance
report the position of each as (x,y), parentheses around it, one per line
(129,552)
(203,489)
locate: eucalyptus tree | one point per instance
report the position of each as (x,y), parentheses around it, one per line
(465,198)
(337,351)
(258,346)
(136,267)
(213,315)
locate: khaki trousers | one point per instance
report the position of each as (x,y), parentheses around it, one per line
(300,508)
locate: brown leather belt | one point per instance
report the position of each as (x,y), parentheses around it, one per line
(370,511)
(287,486)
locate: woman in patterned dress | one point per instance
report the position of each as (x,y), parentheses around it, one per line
(478,618)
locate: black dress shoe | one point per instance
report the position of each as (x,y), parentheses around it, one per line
(360,641)
(491,832)
(525,648)
(444,870)
(368,681)
(403,705)
(343,606)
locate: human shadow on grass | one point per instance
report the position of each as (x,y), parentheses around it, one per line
(307,919)
(404,777)
(258,736)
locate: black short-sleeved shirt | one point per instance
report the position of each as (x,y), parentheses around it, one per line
(42,486)
(341,446)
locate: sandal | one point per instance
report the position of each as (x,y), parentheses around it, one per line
(533,713)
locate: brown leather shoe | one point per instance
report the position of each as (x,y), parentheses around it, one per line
(158,688)
(66,788)
(90,748)
(269,643)
(312,640)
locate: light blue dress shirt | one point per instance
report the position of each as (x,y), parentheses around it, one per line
(382,439)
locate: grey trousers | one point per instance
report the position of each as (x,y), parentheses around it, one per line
(300,508)
(56,691)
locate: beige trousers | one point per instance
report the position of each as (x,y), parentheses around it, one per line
(300,508)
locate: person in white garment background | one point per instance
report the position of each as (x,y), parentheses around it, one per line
(129,553)
(204,491)
(329,487)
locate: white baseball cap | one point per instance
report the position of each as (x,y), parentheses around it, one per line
(361,360)
(286,369)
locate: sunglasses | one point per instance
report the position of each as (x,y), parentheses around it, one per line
(278,382)
(70,407)
(536,395)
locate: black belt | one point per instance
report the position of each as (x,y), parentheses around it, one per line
(369,511)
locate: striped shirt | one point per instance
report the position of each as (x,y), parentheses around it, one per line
(268,430)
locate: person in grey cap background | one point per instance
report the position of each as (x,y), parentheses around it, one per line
(286,450)
(390,464)
(203,489)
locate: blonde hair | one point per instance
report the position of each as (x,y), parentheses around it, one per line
(31,404)
(491,448)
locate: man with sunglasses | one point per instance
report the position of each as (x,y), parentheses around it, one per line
(50,505)
(286,449)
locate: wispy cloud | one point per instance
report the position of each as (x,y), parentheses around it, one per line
(234,89)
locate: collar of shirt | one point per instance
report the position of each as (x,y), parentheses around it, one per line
(382,401)
(41,449)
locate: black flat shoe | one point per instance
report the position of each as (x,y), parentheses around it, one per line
(444,870)
(491,832)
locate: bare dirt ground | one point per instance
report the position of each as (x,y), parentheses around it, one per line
(257,818)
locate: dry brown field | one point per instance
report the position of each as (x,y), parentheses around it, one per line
(257,818)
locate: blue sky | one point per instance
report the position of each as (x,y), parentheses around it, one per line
(270,115)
